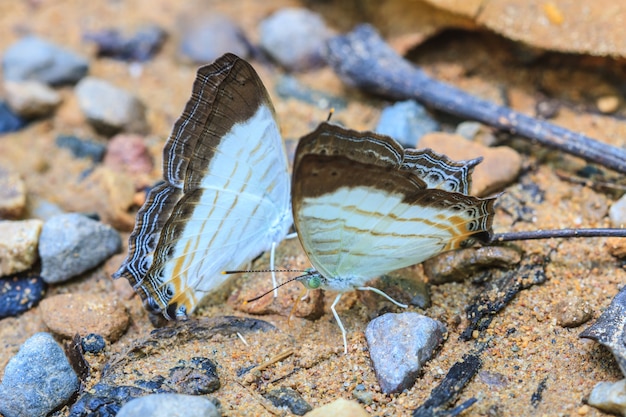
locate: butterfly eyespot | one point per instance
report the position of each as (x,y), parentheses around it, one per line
(169,293)
(323,152)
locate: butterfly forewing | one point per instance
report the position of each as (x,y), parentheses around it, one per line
(227,155)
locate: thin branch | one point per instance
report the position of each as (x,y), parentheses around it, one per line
(559,233)
(362,59)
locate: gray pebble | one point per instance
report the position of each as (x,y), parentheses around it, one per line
(207,36)
(31,99)
(9,121)
(288,398)
(295,38)
(37,380)
(169,405)
(609,397)
(406,122)
(71,244)
(110,109)
(19,294)
(32,58)
(617,212)
(399,345)
(290,87)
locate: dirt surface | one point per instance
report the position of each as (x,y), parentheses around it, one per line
(527,349)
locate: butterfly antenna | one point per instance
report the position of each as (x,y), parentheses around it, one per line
(284,283)
(243,271)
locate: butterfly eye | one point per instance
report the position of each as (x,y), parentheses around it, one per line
(313,283)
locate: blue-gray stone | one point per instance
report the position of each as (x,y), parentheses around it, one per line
(141,46)
(295,38)
(32,58)
(288,398)
(82,148)
(289,87)
(71,244)
(169,405)
(406,122)
(110,109)
(207,36)
(93,343)
(18,294)
(9,121)
(37,380)
(399,344)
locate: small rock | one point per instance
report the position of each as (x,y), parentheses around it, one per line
(290,87)
(457,266)
(18,245)
(608,104)
(340,407)
(169,405)
(363,396)
(291,399)
(547,108)
(141,46)
(207,36)
(295,38)
(406,286)
(43,209)
(572,312)
(71,244)
(616,246)
(609,397)
(105,400)
(82,148)
(501,165)
(399,344)
(83,314)
(32,58)
(12,195)
(38,380)
(19,294)
(9,121)
(128,153)
(31,99)
(406,122)
(110,109)
(610,329)
(93,343)
(476,132)
(311,308)
(617,212)
(197,376)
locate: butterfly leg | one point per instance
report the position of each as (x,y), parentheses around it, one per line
(343,330)
(379,292)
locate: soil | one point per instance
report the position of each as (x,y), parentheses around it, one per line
(527,348)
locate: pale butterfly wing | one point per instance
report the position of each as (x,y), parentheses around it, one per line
(362,210)
(226,197)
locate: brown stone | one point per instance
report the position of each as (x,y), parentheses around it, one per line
(129,153)
(12,195)
(572,312)
(69,314)
(500,166)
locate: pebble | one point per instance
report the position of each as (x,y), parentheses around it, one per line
(169,405)
(83,314)
(12,195)
(290,87)
(295,38)
(476,132)
(31,99)
(9,121)
(610,329)
(32,58)
(71,244)
(608,104)
(406,285)
(93,343)
(128,153)
(198,376)
(406,121)
(399,345)
(501,165)
(617,212)
(110,109)
(340,407)
(140,47)
(37,380)
(104,400)
(289,398)
(609,397)
(457,266)
(82,148)
(207,36)
(572,312)
(19,294)
(18,245)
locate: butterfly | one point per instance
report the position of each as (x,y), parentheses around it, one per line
(225,197)
(364,206)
